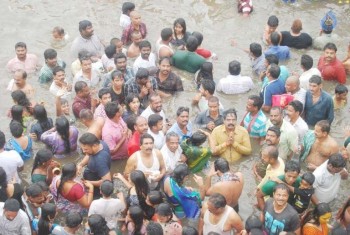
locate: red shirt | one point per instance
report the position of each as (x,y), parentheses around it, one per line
(203,52)
(80,104)
(332,71)
(134,143)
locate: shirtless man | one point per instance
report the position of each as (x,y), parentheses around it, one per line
(134,50)
(19,82)
(163,48)
(323,147)
(94,125)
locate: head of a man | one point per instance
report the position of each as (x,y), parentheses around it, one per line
(120,62)
(155,103)
(35,195)
(315,84)
(273,72)
(136,38)
(142,77)
(254,104)
(280,195)
(86,64)
(141,125)
(322,129)
(230,119)
(154,228)
(207,87)
(182,116)
(146,143)
(275,38)
(21,50)
(306,62)
(135,18)
(89,144)
(234,68)
(255,50)
(291,172)
(59,76)
(113,111)
(50,56)
(166,34)
(85,28)
(271,59)
(11,208)
(107,188)
(216,204)
(330,51)
(117,79)
(165,66)
(272,23)
(269,154)
(145,49)
(155,123)
(104,96)
(221,166)
(276,116)
(82,89)
(20,78)
(273,136)
(86,117)
(128,7)
(292,84)
(172,141)
(341,92)
(297,26)
(294,109)
(336,163)
(192,43)
(213,105)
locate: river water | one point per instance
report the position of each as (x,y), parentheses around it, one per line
(32,21)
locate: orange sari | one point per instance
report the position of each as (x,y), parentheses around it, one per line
(310,229)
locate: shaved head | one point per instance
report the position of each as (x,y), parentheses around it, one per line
(293,79)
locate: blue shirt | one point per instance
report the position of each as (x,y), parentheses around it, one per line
(275,87)
(323,109)
(258,127)
(99,164)
(284,74)
(175,128)
(282,52)
(258,65)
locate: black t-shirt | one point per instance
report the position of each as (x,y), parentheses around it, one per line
(99,164)
(120,98)
(302,41)
(301,199)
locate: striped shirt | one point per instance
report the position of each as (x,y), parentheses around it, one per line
(258,128)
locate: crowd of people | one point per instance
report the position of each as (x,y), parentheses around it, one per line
(122,109)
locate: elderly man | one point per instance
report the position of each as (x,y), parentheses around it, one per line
(293,88)
(13,220)
(23,60)
(231,141)
(306,64)
(51,61)
(19,82)
(171,151)
(212,117)
(182,127)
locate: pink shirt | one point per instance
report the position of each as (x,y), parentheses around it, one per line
(112,134)
(100,112)
(30,65)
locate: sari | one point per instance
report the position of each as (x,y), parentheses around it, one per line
(308,141)
(313,230)
(197,157)
(25,154)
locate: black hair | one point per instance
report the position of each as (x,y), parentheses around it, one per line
(111,109)
(192,43)
(197,139)
(2,139)
(297,106)
(234,67)
(205,72)
(62,128)
(127,6)
(145,136)
(98,224)
(229,112)
(252,222)
(336,160)
(155,197)
(3,185)
(12,205)
(208,85)
(180,172)
(110,51)
(116,74)
(57,69)
(43,185)
(136,215)
(141,73)
(119,56)
(20,44)
(164,209)
(21,99)
(307,62)
(42,156)
(315,214)
(324,125)
(341,89)
(166,33)
(316,80)
(140,182)
(275,130)
(161,59)
(281,186)
(199,37)
(16,129)
(69,172)
(84,24)
(257,101)
(48,213)
(275,38)
(153,120)
(272,21)
(308,177)
(181,22)
(107,188)
(103,92)
(145,43)
(330,46)
(50,54)
(274,71)
(33,190)
(292,166)
(255,49)
(188,230)
(272,59)
(182,109)
(130,98)
(221,165)
(154,228)
(218,200)
(40,114)
(17,114)
(79,86)
(73,219)
(89,139)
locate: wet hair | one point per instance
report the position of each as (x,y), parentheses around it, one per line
(253,222)
(130,98)
(181,22)
(57,69)
(73,219)
(3,185)
(110,51)
(229,112)
(103,91)
(221,165)
(308,177)
(114,41)
(205,72)
(297,26)
(21,99)
(33,190)
(166,33)
(274,71)
(234,67)
(79,86)
(192,43)
(16,129)
(155,197)
(271,59)
(12,205)
(43,185)
(84,24)
(89,139)
(180,172)
(182,109)
(197,139)
(275,38)
(145,43)
(83,54)
(208,85)
(2,139)
(98,224)
(20,44)
(164,209)
(199,37)
(23,73)
(272,152)
(136,215)
(272,21)
(42,156)
(324,125)
(127,6)
(59,30)
(116,74)
(111,109)
(275,130)
(307,61)
(69,172)
(119,56)
(218,200)
(213,99)
(297,106)
(255,49)
(171,134)
(341,89)
(141,73)
(188,230)
(153,120)
(336,160)
(257,101)
(330,46)
(107,188)
(154,228)
(17,114)
(315,214)
(281,186)
(316,80)
(86,114)
(165,58)
(138,178)
(62,128)
(48,213)
(50,54)
(145,136)
(292,166)
(40,114)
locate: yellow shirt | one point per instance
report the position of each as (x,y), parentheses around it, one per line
(241,144)
(270,172)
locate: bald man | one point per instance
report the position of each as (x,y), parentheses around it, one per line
(292,86)
(136,25)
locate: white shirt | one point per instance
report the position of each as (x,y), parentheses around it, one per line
(300,95)
(148,112)
(141,63)
(171,159)
(235,84)
(305,77)
(95,78)
(326,184)
(124,21)
(159,139)
(10,161)
(300,126)
(107,63)
(58,91)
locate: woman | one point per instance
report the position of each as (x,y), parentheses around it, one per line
(205,72)
(168,221)
(20,98)
(180,34)
(61,139)
(186,202)
(97,225)
(342,225)
(45,225)
(315,222)
(17,115)
(132,102)
(68,193)
(43,122)
(43,166)
(22,144)
(8,190)
(135,222)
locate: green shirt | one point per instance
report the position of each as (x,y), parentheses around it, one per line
(187,60)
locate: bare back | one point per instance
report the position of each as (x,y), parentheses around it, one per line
(322,150)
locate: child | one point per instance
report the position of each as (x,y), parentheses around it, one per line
(125,21)
(245,7)
(180,34)
(340,98)
(272,24)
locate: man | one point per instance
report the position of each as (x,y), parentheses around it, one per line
(143,85)
(94,125)
(23,60)
(346,61)
(32,200)
(115,132)
(182,127)
(206,90)
(13,220)
(212,117)
(288,144)
(275,86)
(120,62)
(293,88)
(82,100)
(231,141)
(328,177)
(19,82)
(104,96)
(306,65)
(87,73)
(146,59)
(331,68)
(282,52)
(76,64)
(254,121)
(154,228)
(216,211)
(295,38)
(155,107)
(136,25)
(235,83)
(188,60)
(171,151)
(257,58)
(141,128)
(321,148)
(155,127)
(163,47)
(205,53)
(272,59)
(51,61)
(97,161)
(272,24)
(134,48)
(278,215)
(10,161)
(318,103)
(59,86)
(290,177)
(148,160)
(328,23)
(294,111)
(87,41)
